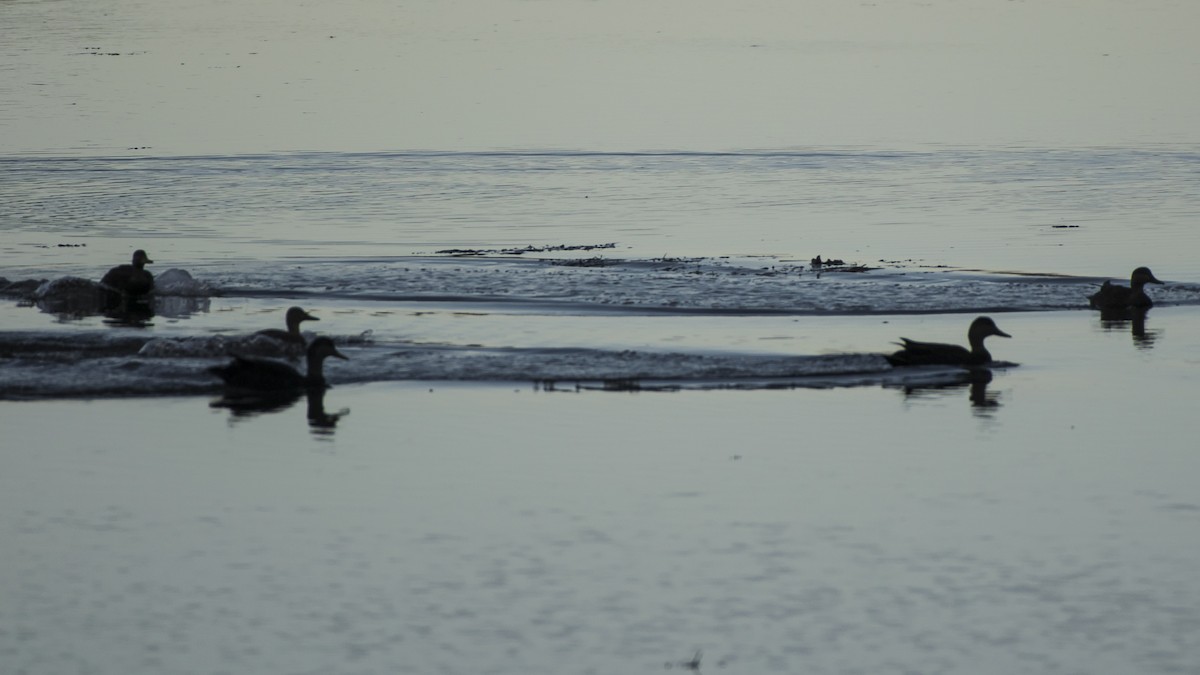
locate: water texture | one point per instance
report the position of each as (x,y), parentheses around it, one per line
(603,412)
(1080,212)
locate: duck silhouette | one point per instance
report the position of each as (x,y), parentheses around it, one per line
(265,375)
(292,335)
(132,279)
(916,353)
(1114,297)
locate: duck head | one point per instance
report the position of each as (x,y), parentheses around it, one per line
(983,327)
(323,347)
(1142,276)
(295,315)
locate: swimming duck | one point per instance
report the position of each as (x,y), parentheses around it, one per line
(1125,297)
(131,279)
(933,353)
(265,375)
(292,335)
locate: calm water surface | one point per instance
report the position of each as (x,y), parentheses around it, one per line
(762,492)
(1083,212)
(1040,525)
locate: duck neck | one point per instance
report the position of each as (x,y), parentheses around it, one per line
(978,349)
(316,369)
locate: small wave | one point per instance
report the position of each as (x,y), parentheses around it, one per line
(180,283)
(98,365)
(580,364)
(694,285)
(219,345)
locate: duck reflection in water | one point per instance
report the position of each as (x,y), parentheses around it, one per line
(242,406)
(128,312)
(319,421)
(138,312)
(1133,319)
(975,380)
(75,298)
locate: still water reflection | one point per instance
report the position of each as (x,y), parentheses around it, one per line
(245,407)
(1132,320)
(975,381)
(74,298)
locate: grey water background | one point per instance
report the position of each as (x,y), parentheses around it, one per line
(775,499)
(1091,212)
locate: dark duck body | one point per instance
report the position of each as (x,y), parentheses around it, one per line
(265,375)
(916,353)
(131,279)
(295,316)
(1133,296)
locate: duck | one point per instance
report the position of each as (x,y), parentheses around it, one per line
(265,375)
(932,353)
(1133,296)
(292,335)
(133,279)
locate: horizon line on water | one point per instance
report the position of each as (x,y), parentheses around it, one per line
(799,152)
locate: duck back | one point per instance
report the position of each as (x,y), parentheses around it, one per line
(916,353)
(1112,296)
(129,280)
(260,375)
(282,335)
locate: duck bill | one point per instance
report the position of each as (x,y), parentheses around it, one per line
(310,317)
(1001,333)
(340,355)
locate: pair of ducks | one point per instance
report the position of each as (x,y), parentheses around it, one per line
(264,375)
(1110,297)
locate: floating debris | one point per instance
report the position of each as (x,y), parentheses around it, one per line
(836,265)
(527,249)
(595,261)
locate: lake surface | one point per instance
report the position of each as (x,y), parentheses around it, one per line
(1081,212)
(602,411)
(1039,524)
